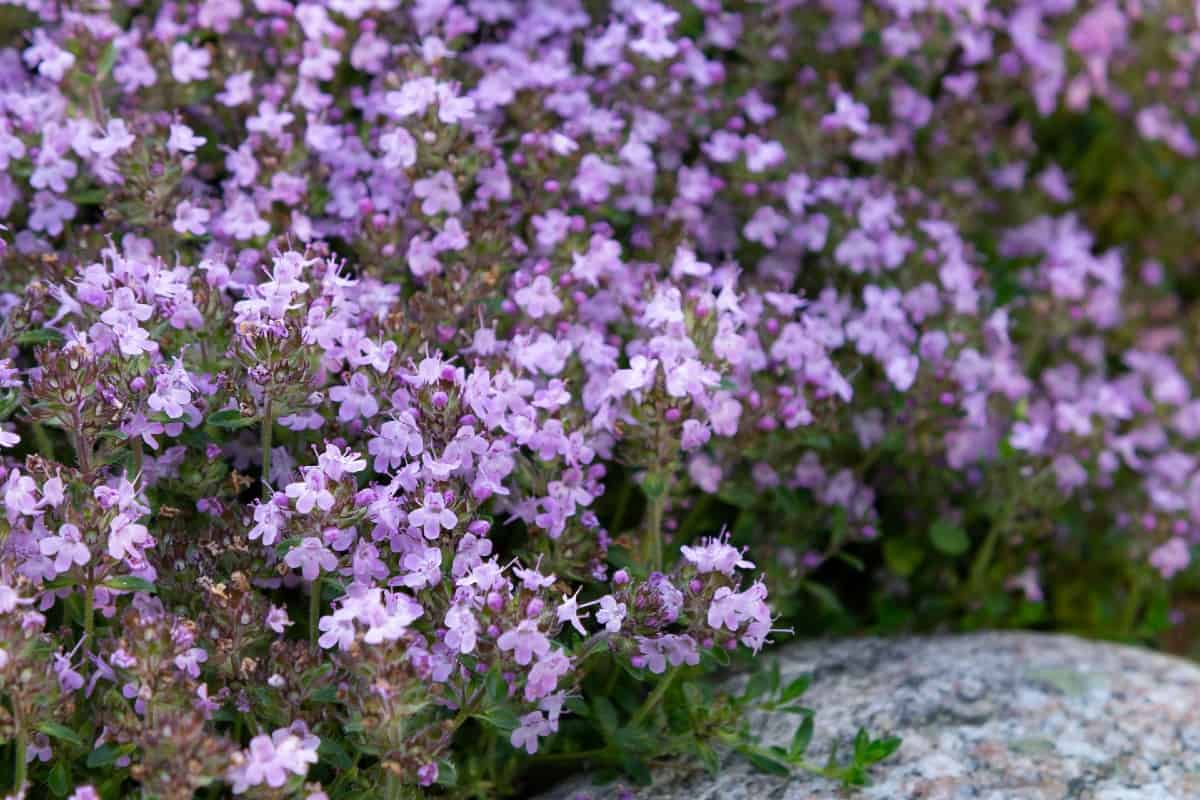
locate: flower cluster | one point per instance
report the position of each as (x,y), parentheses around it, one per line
(393,392)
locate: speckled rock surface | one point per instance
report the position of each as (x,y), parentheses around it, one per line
(992,716)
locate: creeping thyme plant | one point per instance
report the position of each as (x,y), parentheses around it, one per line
(429,397)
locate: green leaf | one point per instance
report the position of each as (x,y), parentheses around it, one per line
(824,596)
(106,62)
(130,583)
(796,688)
(757,685)
(620,557)
(497,689)
(654,485)
(861,740)
(606,715)
(880,749)
(637,771)
(43,336)
(107,754)
(949,538)
(325,694)
(765,763)
(332,752)
(447,773)
(89,197)
(8,403)
(855,562)
(59,779)
(801,738)
(61,582)
(902,556)
(737,496)
(708,757)
(502,719)
(230,419)
(59,731)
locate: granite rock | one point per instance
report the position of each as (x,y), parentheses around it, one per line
(991,716)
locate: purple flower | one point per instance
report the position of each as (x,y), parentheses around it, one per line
(190,218)
(270,759)
(277,619)
(432,516)
(525,640)
(67,548)
(427,774)
(538,299)
(438,194)
(311,557)
(544,676)
(311,491)
(189,63)
(183,140)
(611,613)
(357,399)
(568,612)
(525,736)
(126,539)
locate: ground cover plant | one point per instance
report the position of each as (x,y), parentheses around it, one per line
(431,398)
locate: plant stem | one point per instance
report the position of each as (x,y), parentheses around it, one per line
(19,758)
(138,458)
(41,439)
(1133,603)
(314,612)
(654,534)
(983,559)
(267,425)
(89,610)
(654,698)
(392,789)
